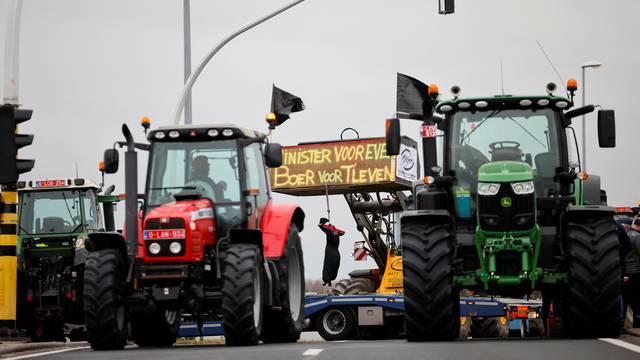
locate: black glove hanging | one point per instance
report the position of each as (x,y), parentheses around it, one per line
(331,251)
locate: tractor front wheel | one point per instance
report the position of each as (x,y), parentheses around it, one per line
(105,313)
(431,302)
(593,298)
(242,294)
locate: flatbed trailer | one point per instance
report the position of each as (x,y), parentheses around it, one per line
(366,315)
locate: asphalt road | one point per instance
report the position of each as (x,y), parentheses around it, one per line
(520,349)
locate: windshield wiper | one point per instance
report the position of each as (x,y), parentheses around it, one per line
(527,131)
(191,187)
(493,113)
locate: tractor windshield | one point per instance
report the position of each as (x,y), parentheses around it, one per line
(209,168)
(517,135)
(51,212)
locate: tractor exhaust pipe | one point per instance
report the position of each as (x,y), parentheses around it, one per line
(131,192)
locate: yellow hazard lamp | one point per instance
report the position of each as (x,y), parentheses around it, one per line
(146,123)
(101,166)
(428,180)
(582,175)
(272,120)
(572,85)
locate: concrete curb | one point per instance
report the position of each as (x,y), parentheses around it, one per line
(11,348)
(632,331)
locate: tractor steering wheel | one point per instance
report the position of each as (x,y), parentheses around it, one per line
(494,145)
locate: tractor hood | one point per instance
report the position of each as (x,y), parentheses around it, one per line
(505,171)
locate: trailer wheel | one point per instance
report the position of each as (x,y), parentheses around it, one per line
(353,286)
(242,295)
(490,327)
(593,300)
(158,328)
(105,312)
(285,324)
(337,324)
(431,302)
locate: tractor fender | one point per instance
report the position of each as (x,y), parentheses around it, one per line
(275,227)
(106,240)
(580,210)
(425,215)
(591,193)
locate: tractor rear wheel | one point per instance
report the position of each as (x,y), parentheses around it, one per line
(593,299)
(490,327)
(242,294)
(158,328)
(430,300)
(285,324)
(105,313)
(353,286)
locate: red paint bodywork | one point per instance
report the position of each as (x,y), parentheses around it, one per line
(198,235)
(275,227)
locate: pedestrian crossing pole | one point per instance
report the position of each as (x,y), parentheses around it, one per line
(8,262)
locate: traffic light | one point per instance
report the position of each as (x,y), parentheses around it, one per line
(10,166)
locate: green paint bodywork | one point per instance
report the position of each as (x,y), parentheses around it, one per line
(505,172)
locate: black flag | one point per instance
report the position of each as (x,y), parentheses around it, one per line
(410,95)
(282,105)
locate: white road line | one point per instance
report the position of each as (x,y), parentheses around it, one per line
(46,353)
(622,344)
(312,352)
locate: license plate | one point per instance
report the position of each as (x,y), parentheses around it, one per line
(164,234)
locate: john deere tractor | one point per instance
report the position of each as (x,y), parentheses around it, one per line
(55,219)
(507,212)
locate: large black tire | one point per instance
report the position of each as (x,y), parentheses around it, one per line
(353,286)
(490,327)
(337,323)
(105,313)
(286,323)
(593,299)
(431,302)
(158,328)
(242,294)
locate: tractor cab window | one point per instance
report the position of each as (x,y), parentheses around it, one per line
(516,135)
(92,219)
(50,212)
(209,168)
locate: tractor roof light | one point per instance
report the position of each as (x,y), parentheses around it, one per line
(543,102)
(213,132)
(481,104)
(174,134)
(159,135)
(562,104)
(428,180)
(583,175)
(145,122)
(227,132)
(446,108)
(525,102)
(572,85)
(464,105)
(433,91)
(101,166)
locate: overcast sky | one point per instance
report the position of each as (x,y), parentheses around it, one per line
(88,66)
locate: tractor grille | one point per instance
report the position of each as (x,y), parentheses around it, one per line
(518,216)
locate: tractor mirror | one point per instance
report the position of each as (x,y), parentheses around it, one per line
(606,128)
(392,134)
(359,251)
(111,161)
(579,111)
(273,155)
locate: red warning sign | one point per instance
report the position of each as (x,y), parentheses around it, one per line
(360,254)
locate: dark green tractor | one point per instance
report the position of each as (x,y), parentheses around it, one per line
(55,218)
(508,211)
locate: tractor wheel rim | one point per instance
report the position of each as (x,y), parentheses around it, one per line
(257,297)
(295,285)
(334,321)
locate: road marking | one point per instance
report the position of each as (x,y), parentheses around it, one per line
(622,344)
(46,353)
(312,352)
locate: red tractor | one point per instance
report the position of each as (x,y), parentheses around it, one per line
(205,242)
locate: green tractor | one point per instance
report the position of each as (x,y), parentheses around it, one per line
(55,218)
(508,212)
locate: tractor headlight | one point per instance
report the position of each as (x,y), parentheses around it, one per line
(522,188)
(488,188)
(154,248)
(175,247)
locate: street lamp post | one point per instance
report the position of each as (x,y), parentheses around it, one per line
(589,64)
